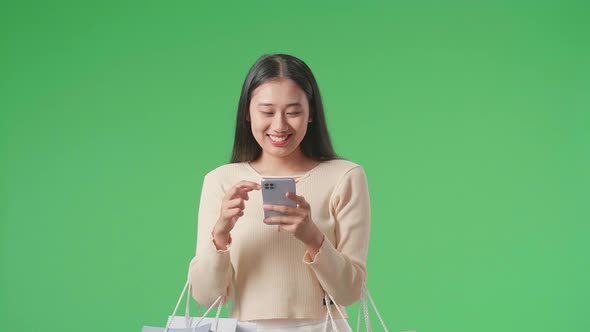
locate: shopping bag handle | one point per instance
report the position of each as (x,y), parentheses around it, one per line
(218,302)
(328,299)
(365,294)
(362,303)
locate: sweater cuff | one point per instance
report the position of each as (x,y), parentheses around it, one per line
(216,259)
(323,251)
(215,245)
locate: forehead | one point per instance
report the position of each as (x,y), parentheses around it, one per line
(280,91)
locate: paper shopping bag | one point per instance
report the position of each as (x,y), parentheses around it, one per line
(203,328)
(201,324)
(224,324)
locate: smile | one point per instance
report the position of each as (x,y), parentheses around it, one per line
(279,140)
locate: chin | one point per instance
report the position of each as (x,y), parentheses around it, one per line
(280,154)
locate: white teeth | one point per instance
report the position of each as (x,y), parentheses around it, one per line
(277,139)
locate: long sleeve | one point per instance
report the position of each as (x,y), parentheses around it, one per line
(341,266)
(210,271)
(268,274)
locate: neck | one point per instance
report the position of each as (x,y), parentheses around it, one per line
(295,164)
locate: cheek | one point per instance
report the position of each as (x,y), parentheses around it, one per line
(258,127)
(300,124)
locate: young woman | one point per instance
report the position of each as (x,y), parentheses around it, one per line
(280,276)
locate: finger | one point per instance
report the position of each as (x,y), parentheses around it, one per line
(239,192)
(282,208)
(236,202)
(282,220)
(237,216)
(235,192)
(231,213)
(300,200)
(248,185)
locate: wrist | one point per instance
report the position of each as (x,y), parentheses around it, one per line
(221,237)
(315,243)
(220,229)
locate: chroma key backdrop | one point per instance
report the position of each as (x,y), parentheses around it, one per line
(471,120)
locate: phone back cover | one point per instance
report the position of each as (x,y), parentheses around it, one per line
(273,192)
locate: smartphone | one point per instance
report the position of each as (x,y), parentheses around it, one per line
(274,192)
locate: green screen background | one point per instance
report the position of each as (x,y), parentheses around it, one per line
(471,120)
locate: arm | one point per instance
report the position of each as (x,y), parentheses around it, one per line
(210,271)
(341,267)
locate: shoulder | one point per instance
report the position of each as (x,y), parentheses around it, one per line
(350,182)
(226,171)
(334,173)
(343,167)
(227,168)
(223,177)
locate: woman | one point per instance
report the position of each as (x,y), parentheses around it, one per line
(279,276)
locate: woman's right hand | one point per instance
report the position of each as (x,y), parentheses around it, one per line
(232,208)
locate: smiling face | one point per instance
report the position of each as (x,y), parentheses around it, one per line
(279,115)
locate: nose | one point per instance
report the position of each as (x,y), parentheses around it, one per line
(279,122)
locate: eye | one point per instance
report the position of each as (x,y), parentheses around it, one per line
(267,113)
(293,113)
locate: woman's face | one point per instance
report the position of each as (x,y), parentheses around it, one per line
(279,115)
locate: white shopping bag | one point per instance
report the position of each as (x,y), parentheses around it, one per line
(203,328)
(225,324)
(201,324)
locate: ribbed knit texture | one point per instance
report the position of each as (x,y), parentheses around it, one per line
(272,275)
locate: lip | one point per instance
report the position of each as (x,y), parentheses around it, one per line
(283,143)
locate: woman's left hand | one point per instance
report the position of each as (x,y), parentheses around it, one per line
(298,222)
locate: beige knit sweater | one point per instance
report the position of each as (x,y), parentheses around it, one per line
(268,274)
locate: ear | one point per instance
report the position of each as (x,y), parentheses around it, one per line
(248,117)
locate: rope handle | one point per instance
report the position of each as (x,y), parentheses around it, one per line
(363,302)
(365,295)
(187,320)
(327,298)
(376,310)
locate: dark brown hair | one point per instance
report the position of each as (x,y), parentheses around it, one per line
(316,144)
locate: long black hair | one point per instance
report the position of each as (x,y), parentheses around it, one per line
(316,144)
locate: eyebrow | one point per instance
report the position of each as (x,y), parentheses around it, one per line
(288,105)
